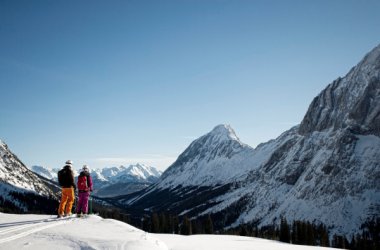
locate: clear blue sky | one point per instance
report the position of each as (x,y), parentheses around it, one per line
(120,82)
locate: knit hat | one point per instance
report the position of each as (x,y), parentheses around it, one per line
(69,163)
(86,168)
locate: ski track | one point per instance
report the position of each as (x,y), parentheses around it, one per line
(45,224)
(22,225)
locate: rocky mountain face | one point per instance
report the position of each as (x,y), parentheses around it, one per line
(20,187)
(325,170)
(112,181)
(350,102)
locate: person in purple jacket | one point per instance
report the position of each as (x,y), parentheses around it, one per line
(84,186)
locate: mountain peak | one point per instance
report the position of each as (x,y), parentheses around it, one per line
(204,160)
(224,132)
(372,57)
(350,102)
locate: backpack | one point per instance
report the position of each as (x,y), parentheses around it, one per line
(82,183)
(61,176)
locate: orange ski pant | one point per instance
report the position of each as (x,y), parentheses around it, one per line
(67,201)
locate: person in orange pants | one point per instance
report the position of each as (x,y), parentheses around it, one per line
(67,201)
(66,181)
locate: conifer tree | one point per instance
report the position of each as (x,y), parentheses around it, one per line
(284,231)
(310,238)
(175,226)
(208,225)
(243,230)
(302,233)
(171,224)
(294,233)
(186,226)
(146,223)
(155,223)
(196,227)
(164,223)
(324,236)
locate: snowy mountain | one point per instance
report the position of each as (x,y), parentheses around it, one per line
(325,170)
(138,172)
(17,182)
(112,181)
(215,158)
(124,180)
(50,174)
(44,232)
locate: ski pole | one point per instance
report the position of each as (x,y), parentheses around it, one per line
(90,205)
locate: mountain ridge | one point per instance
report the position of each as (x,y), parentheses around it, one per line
(343,102)
(19,186)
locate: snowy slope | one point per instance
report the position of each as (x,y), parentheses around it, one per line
(15,173)
(324,170)
(21,190)
(43,232)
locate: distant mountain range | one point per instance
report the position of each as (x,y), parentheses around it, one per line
(112,181)
(325,170)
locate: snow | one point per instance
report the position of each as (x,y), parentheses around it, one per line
(111,172)
(98,174)
(226,242)
(50,174)
(43,232)
(367,146)
(224,132)
(141,171)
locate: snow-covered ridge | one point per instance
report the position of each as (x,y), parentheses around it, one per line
(14,172)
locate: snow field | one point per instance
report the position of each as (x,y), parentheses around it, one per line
(43,232)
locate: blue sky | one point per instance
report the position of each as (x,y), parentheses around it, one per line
(120,82)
